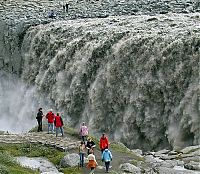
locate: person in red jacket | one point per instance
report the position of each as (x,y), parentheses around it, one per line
(50,117)
(104,144)
(58,124)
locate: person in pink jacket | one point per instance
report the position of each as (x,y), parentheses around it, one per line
(83,132)
(58,124)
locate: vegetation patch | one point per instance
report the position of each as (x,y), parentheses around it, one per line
(8,165)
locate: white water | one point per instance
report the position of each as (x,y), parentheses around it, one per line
(17,105)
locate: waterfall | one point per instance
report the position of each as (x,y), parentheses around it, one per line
(134,77)
(17,104)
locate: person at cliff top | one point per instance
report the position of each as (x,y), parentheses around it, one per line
(83,132)
(50,118)
(92,163)
(82,152)
(59,124)
(90,144)
(52,14)
(104,144)
(106,157)
(39,119)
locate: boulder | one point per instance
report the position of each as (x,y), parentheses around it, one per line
(130,168)
(70,160)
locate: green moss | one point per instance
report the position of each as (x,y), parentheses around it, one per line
(8,165)
(70,131)
(33,151)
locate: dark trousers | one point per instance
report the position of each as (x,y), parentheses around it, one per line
(39,125)
(107,164)
(84,138)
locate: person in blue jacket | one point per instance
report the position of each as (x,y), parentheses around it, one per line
(106,157)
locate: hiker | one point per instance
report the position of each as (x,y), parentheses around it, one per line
(90,144)
(83,131)
(58,124)
(104,144)
(92,163)
(52,14)
(106,157)
(66,7)
(82,152)
(39,119)
(50,118)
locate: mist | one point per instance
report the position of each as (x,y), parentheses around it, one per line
(18,104)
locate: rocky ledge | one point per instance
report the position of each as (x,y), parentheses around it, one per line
(184,161)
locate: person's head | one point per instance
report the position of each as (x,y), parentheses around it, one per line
(82,142)
(50,110)
(40,109)
(83,124)
(103,135)
(89,139)
(58,114)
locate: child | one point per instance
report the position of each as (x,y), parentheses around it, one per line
(92,164)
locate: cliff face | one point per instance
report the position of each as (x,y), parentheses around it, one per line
(134,77)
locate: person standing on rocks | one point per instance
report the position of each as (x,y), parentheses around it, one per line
(83,132)
(106,157)
(59,124)
(92,163)
(50,118)
(82,152)
(104,144)
(39,119)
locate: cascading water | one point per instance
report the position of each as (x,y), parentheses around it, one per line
(17,104)
(136,78)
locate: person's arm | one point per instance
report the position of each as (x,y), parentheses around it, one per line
(93,144)
(110,156)
(87,146)
(100,144)
(61,121)
(107,141)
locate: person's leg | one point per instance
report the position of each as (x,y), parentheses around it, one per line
(83,138)
(107,165)
(41,125)
(80,154)
(51,127)
(57,131)
(61,130)
(82,159)
(38,125)
(49,124)
(92,170)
